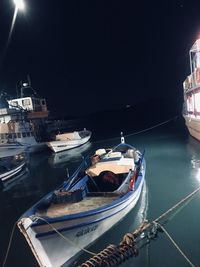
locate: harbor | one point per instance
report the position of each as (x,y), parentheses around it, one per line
(99,134)
(172,173)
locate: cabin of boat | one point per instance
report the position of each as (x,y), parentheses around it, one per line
(192,83)
(36,107)
(191,87)
(22,119)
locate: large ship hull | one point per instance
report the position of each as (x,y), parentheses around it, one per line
(193,125)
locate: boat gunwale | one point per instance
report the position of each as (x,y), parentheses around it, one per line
(122,199)
(47,233)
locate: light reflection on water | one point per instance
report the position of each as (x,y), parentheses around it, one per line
(194,152)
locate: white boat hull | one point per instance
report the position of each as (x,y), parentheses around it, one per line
(193,125)
(54,250)
(58,146)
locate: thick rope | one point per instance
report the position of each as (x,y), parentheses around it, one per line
(175,244)
(137,233)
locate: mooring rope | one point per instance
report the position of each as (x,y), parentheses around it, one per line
(175,244)
(181,202)
(9,244)
(138,132)
(64,237)
(128,245)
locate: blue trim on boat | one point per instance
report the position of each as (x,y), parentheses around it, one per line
(115,203)
(79,225)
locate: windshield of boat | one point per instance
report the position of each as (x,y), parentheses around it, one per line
(122,148)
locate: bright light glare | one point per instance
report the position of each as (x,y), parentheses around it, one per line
(19,4)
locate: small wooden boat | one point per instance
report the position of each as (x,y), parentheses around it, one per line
(12,162)
(103,189)
(69,140)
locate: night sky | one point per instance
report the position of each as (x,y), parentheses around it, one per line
(85,56)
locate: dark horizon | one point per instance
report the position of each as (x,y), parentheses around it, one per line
(86,57)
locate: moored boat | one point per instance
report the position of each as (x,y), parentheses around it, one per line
(69,140)
(63,157)
(191,91)
(22,118)
(12,162)
(103,190)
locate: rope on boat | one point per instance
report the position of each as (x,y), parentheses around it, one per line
(64,237)
(138,132)
(129,247)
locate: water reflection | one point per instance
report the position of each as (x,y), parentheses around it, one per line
(75,154)
(16,181)
(194,148)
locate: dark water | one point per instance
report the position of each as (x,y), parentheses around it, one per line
(173,171)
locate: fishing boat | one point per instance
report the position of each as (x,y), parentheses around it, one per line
(100,193)
(21,119)
(12,162)
(69,140)
(191,92)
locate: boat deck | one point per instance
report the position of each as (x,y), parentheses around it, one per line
(88,203)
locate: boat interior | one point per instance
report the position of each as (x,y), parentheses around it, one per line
(105,180)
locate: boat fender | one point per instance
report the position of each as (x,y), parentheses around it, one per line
(132,182)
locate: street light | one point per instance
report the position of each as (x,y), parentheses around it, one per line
(19,6)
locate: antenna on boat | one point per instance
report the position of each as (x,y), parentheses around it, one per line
(122,138)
